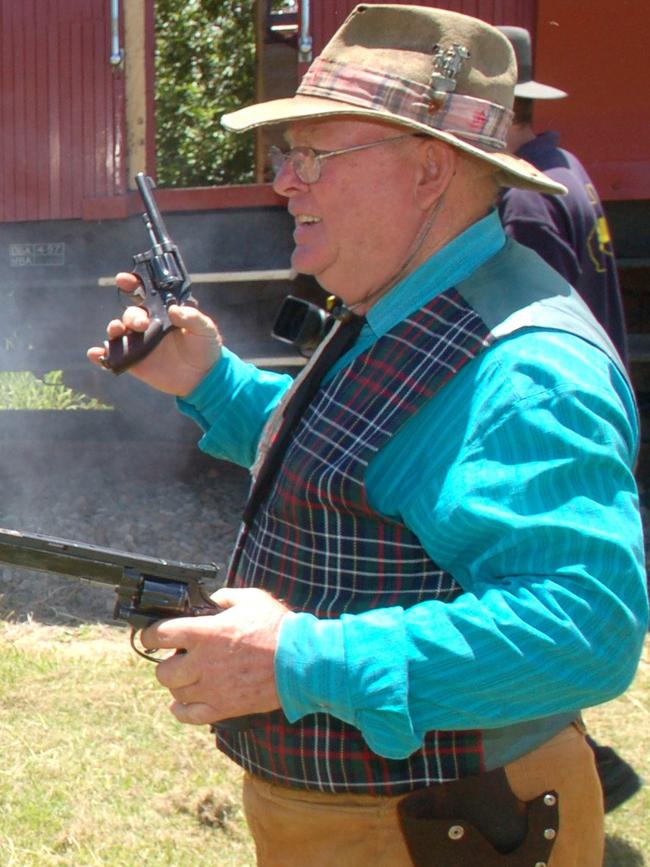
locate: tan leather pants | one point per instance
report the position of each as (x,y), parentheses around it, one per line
(293,828)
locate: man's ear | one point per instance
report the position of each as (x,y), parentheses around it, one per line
(438,162)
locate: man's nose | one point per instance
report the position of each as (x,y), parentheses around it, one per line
(286,180)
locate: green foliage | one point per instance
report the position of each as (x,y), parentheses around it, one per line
(205,67)
(24,390)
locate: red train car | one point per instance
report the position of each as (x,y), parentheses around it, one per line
(77,90)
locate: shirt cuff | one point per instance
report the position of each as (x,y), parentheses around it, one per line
(349,669)
(200,404)
(231,404)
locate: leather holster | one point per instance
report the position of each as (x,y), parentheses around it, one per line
(478,822)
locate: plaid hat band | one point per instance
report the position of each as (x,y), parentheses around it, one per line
(482,122)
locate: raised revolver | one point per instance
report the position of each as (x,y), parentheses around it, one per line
(164,280)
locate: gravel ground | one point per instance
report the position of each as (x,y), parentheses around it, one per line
(160,499)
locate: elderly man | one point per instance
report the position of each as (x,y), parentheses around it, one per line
(441,561)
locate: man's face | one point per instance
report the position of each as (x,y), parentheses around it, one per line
(354,226)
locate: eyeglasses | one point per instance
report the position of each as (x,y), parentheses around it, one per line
(306,162)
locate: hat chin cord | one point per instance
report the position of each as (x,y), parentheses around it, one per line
(414,249)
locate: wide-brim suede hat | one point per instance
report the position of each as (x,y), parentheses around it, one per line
(526,86)
(430,70)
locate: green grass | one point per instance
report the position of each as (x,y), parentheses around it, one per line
(624,724)
(96,771)
(23,390)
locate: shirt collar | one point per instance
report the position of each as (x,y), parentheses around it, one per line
(453,263)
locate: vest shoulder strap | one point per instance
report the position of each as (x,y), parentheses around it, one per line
(544,300)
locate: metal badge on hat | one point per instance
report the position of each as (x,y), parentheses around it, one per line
(446,66)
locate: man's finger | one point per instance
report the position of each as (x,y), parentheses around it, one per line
(166,635)
(115,328)
(192,320)
(136,318)
(177,673)
(194,714)
(180,633)
(226,597)
(127,282)
(96,354)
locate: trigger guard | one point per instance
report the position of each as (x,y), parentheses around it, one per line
(145,653)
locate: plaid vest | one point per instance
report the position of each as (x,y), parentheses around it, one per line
(317,544)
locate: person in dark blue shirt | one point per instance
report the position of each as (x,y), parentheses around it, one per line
(569,232)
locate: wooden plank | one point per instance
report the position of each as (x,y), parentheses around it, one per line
(61,139)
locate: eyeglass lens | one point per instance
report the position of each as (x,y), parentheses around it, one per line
(304,162)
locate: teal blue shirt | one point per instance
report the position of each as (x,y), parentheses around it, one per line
(517,477)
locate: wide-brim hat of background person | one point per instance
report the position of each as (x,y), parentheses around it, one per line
(527,87)
(437,72)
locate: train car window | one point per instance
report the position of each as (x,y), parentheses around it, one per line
(281,21)
(277,69)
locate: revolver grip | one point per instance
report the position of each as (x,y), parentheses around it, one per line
(123,352)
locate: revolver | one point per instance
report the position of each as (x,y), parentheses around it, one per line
(164,280)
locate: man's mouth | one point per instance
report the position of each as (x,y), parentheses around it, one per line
(305,219)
